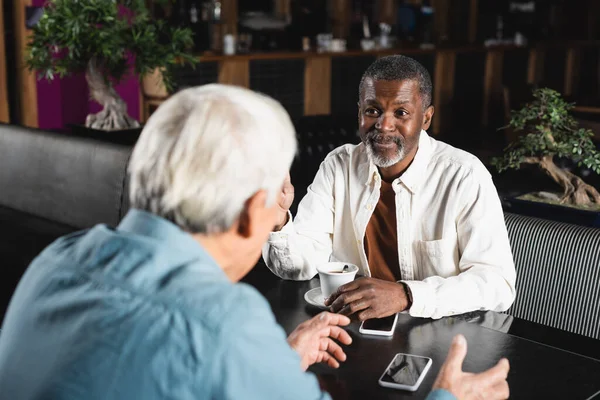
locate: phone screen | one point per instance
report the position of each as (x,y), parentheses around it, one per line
(405,369)
(380,324)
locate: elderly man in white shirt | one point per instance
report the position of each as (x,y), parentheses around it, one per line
(421,219)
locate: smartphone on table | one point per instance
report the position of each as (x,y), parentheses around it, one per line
(406,372)
(379,326)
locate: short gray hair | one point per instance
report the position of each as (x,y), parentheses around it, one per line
(399,68)
(206,151)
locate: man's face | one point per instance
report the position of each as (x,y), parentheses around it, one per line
(255,224)
(390,118)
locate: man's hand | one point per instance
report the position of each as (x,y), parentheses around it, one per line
(490,384)
(313,340)
(284,202)
(368,298)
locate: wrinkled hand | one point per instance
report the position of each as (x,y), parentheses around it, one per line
(368,298)
(284,202)
(313,340)
(490,384)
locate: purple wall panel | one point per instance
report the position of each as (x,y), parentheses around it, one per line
(73,99)
(49,105)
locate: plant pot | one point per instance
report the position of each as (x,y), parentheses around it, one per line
(123,136)
(153,85)
(552,212)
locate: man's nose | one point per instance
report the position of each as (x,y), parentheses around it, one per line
(386,123)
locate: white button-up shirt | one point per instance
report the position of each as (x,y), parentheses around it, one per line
(453,245)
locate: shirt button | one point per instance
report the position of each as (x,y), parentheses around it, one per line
(369,207)
(358,242)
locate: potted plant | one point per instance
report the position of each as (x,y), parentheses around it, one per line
(551,138)
(106,39)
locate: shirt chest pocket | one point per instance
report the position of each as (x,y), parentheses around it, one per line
(438,258)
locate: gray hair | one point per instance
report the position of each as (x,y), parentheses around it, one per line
(206,151)
(399,68)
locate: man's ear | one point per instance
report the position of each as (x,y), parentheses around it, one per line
(251,213)
(427,116)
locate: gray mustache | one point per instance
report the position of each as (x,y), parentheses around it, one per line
(374,136)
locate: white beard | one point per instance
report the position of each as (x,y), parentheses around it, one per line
(384,162)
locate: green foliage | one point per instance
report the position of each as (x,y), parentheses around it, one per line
(547,129)
(73,32)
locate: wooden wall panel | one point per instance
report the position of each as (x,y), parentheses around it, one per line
(572,71)
(492,84)
(235,72)
(473,20)
(26,80)
(283,8)
(441,20)
(535,70)
(386,11)
(340,18)
(4,116)
(317,86)
(443,90)
(229,10)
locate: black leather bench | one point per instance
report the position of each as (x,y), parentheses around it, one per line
(50,185)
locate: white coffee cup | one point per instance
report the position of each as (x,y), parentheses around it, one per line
(332,276)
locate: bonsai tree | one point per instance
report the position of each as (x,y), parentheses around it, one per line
(549,131)
(105,39)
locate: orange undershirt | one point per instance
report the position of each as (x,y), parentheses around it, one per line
(381,238)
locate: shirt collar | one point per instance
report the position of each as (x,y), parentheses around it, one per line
(152,226)
(412,178)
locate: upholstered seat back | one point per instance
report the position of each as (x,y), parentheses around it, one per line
(66,179)
(558,274)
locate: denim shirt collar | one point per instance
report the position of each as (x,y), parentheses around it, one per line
(154,227)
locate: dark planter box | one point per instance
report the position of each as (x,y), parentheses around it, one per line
(552,212)
(123,136)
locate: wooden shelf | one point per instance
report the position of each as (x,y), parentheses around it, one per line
(286,55)
(317,98)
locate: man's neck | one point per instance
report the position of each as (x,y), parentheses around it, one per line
(395,171)
(217,247)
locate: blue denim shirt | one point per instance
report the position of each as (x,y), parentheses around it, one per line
(143,312)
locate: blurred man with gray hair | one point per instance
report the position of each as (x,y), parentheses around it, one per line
(152,309)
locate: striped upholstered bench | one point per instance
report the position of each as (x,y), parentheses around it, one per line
(558,274)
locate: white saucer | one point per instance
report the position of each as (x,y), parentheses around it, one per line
(314,297)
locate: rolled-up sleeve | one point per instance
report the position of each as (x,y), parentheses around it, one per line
(305,241)
(255,360)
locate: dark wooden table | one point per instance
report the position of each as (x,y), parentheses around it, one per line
(541,368)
